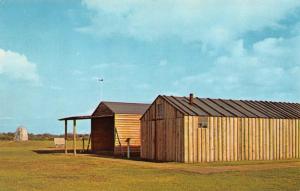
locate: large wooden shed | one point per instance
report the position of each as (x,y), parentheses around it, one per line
(191,129)
(112,123)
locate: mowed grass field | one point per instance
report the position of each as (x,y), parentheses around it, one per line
(22,168)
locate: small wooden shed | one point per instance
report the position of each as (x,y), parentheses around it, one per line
(112,123)
(188,129)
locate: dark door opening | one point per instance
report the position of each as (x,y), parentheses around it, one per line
(102,130)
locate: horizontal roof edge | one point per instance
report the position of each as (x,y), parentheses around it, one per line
(235,108)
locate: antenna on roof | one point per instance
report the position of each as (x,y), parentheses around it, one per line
(100,80)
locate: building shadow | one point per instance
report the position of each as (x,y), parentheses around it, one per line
(111,156)
(108,155)
(59,150)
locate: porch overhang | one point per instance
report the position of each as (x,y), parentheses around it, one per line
(74,119)
(82,117)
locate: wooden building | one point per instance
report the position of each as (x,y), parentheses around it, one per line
(112,124)
(188,129)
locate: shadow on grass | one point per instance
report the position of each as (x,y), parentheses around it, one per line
(108,155)
(51,150)
(111,156)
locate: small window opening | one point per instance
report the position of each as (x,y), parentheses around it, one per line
(203,123)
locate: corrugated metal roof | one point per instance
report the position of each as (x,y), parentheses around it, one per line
(254,111)
(127,108)
(240,108)
(178,105)
(201,103)
(228,107)
(212,104)
(235,108)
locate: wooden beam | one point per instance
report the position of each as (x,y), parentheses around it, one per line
(82,144)
(74,136)
(128,147)
(66,136)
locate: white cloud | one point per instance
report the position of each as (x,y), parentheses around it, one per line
(212,22)
(17,66)
(264,68)
(270,69)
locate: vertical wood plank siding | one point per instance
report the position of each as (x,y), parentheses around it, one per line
(175,137)
(231,139)
(163,137)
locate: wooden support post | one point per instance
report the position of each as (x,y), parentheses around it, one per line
(83,144)
(66,136)
(128,147)
(89,141)
(74,136)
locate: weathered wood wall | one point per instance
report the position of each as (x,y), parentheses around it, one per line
(175,137)
(102,134)
(127,126)
(233,139)
(162,136)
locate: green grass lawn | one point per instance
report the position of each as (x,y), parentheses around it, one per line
(23,169)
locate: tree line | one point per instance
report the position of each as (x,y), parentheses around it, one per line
(39,137)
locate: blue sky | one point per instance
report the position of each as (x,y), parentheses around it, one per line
(52,52)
